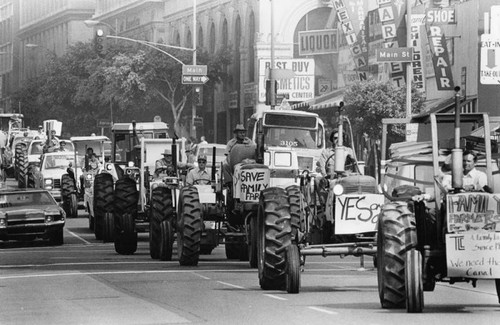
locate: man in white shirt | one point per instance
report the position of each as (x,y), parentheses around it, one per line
(473,179)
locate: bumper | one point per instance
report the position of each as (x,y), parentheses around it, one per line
(40,230)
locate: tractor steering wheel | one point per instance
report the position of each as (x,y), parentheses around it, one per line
(199,180)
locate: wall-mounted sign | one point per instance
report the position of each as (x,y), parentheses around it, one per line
(299,88)
(441,16)
(314,42)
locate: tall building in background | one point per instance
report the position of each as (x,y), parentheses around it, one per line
(48,27)
(9,53)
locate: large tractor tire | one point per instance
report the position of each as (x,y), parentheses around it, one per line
(108,229)
(297,212)
(293,269)
(414,282)
(103,201)
(396,236)
(252,233)
(18,151)
(68,194)
(126,199)
(161,210)
(233,251)
(22,168)
(275,236)
(190,225)
(166,240)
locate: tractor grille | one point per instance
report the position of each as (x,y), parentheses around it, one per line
(57,183)
(305,163)
(359,183)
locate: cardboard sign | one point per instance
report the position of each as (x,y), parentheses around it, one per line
(251,182)
(473,212)
(473,255)
(356,213)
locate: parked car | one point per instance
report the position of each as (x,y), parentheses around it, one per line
(26,214)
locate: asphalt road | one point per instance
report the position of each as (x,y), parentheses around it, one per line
(86,282)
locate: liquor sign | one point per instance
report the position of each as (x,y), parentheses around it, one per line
(314,42)
(299,88)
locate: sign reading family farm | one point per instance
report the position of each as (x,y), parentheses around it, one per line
(473,246)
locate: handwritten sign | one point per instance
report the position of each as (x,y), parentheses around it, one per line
(356,213)
(473,255)
(252,181)
(473,211)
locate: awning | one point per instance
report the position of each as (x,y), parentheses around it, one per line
(447,105)
(329,100)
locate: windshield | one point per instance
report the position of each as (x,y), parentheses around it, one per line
(25,199)
(207,151)
(292,138)
(57,161)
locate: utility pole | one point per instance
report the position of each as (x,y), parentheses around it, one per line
(409,72)
(193,105)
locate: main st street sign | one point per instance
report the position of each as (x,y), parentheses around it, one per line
(194,74)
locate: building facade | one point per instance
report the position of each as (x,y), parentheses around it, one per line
(9,53)
(48,27)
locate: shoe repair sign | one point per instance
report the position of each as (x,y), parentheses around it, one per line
(354,213)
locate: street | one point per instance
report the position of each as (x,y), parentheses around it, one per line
(86,282)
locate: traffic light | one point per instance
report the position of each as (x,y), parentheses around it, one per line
(198,96)
(268,91)
(100,44)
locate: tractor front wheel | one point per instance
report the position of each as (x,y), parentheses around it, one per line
(414,283)
(125,211)
(275,235)
(102,201)
(396,236)
(166,240)
(189,228)
(161,210)
(293,269)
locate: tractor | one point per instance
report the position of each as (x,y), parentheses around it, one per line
(126,195)
(428,232)
(322,215)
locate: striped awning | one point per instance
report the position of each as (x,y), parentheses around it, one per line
(331,99)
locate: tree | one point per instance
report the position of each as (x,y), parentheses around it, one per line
(367,103)
(149,76)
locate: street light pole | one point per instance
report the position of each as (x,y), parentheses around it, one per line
(193,105)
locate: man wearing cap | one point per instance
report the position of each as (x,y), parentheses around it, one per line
(199,175)
(239,138)
(164,164)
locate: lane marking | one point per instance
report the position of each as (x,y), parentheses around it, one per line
(49,275)
(202,276)
(322,310)
(231,285)
(75,235)
(274,297)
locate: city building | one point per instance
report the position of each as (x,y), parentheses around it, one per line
(9,53)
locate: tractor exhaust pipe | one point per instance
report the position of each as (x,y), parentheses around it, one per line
(457,172)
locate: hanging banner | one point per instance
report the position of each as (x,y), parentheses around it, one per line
(418,63)
(440,57)
(390,14)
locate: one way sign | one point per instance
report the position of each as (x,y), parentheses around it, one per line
(489,73)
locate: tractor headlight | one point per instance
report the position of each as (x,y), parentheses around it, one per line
(48,183)
(131,164)
(338,189)
(3,222)
(109,167)
(89,177)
